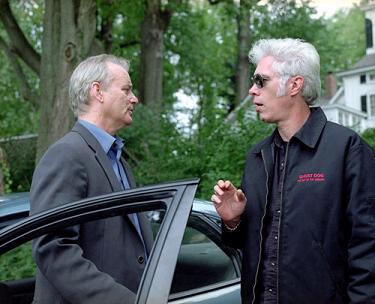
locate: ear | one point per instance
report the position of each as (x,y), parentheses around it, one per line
(296,85)
(96,91)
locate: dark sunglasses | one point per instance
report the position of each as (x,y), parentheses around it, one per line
(259,80)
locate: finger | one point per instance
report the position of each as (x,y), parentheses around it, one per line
(228,184)
(215,199)
(222,183)
(240,195)
(218,190)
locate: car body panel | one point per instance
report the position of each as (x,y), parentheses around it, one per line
(13,208)
(221,294)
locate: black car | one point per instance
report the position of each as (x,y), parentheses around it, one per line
(188,262)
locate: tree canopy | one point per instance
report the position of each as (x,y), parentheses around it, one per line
(189,47)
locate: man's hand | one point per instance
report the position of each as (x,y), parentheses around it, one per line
(229,202)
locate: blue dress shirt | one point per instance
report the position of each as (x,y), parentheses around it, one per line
(112,146)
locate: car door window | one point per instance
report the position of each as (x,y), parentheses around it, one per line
(203,260)
(174,198)
(18,268)
(17,264)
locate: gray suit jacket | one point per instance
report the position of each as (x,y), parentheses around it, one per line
(96,262)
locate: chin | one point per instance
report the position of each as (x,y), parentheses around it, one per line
(128,122)
(266,119)
(263,117)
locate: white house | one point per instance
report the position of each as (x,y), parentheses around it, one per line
(353,105)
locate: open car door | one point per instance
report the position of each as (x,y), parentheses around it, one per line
(171,201)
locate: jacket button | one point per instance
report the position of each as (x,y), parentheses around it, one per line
(141,259)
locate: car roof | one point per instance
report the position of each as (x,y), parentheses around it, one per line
(204,206)
(14,203)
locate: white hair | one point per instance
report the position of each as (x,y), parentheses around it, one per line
(292,57)
(90,70)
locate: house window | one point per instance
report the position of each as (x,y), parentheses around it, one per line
(372,105)
(369,41)
(340,118)
(362,78)
(371,77)
(364,103)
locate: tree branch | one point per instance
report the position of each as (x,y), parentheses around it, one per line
(18,40)
(25,90)
(129,43)
(107,25)
(213,2)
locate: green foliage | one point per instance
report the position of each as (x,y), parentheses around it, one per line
(225,152)
(342,44)
(4,170)
(17,264)
(369,137)
(18,116)
(159,153)
(29,15)
(280,19)
(200,56)
(20,157)
(201,53)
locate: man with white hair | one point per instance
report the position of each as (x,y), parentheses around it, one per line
(304,214)
(101,261)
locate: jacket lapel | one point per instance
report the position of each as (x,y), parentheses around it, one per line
(106,165)
(128,173)
(100,155)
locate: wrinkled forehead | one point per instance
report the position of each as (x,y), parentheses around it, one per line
(118,72)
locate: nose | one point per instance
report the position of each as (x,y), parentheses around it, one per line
(133,99)
(254,90)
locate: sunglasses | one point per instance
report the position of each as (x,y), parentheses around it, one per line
(259,80)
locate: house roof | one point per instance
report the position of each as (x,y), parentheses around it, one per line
(367,61)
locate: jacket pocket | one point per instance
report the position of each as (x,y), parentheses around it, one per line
(339,285)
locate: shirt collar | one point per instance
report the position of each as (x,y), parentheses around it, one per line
(310,132)
(278,141)
(105,139)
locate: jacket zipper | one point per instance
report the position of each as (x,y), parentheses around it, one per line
(261,227)
(278,232)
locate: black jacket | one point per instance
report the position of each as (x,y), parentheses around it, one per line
(327,227)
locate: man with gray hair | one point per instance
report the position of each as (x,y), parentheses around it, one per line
(304,215)
(100,261)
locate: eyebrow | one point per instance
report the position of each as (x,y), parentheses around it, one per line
(263,75)
(127,86)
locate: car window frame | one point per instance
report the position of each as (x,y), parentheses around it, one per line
(175,197)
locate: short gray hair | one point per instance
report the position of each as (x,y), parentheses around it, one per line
(92,69)
(292,57)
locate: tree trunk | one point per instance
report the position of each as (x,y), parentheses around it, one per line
(243,42)
(152,49)
(68,37)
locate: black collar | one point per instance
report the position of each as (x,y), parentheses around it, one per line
(309,133)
